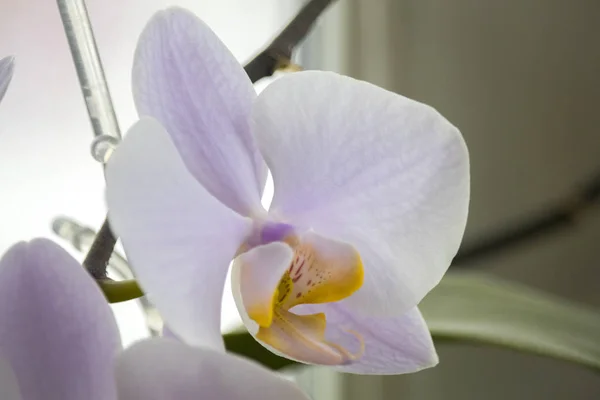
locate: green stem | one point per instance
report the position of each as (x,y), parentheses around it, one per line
(119,291)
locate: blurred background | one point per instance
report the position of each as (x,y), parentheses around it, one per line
(518,77)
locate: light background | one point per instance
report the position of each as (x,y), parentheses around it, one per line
(46,168)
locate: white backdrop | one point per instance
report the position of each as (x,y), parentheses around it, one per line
(45,166)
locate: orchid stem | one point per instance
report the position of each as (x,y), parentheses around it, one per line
(96,260)
(562,215)
(80,36)
(119,291)
(278,53)
(97,246)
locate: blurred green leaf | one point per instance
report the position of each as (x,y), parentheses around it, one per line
(244,344)
(475,308)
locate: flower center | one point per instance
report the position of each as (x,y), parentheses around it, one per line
(321,271)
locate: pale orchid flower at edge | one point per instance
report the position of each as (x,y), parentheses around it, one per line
(59,341)
(369,208)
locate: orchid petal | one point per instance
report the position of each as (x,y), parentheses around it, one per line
(260,270)
(178,238)
(381,172)
(392,345)
(57,328)
(6,72)
(187,79)
(159,369)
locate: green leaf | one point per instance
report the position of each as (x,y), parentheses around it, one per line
(482,309)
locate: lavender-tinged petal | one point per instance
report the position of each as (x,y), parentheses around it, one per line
(57,331)
(187,79)
(267,232)
(394,345)
(273,231)
(159,369)
(178,238)
(369,167)
(6,72)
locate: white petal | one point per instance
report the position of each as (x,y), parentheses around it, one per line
(160,369)
(258,273)
(178,238)
(382,172)
(187,79)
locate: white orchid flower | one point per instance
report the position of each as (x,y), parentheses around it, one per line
(370,203)
(59,341)
(6,73)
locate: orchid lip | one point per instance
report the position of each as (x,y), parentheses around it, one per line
(319,270)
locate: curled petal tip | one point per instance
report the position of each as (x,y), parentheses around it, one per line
(359,353)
